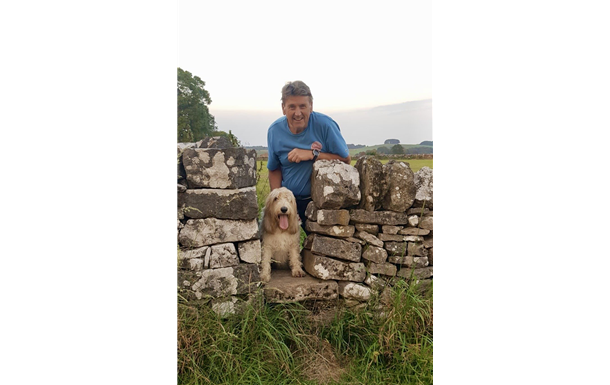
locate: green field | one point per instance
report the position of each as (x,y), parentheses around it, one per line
(355,151)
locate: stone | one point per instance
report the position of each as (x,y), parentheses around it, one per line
(389,237)
(372,183)
(181,188)
(414,231)
(430,255)
(230,168)
(426,223)
(250,251)
(332,217)
(355,240)
(423,188)
(382,268)
(416,249)
(337,248)
(210,231)
(416,273)
(248,278)
(428,241)
(378,217)
(214,142)
(418,211)
(326,268)
(372,229)
(400,192)
(311,212)
(413,221)
(216,282)
(333,231)
(221,204)
(354,291)
(194,253)
(409,261)
(225,307)
(283,287)
(391,230)
(413,238)
(396,248)
(223,255)
(334,184)
(369,238)
(375,254)
(374,282)
(181,148)
(308,241)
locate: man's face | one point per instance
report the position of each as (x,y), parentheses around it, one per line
(297,110)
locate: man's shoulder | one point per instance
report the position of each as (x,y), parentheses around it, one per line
(322,120)
(278,122)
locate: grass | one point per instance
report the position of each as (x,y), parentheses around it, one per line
(309,344)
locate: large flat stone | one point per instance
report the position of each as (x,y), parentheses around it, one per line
(250,251)
(375,254)
(332,217)
(337,248)
(210,231)
(217,203)
(283,287)
(328,268)
(378,217)
(228,168)
(333,231)
(417,273)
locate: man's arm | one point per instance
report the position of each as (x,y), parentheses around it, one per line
(275,178)
(298,155)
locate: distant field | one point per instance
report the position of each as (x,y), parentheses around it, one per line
(355,151)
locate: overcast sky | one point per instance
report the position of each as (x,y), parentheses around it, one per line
(353,55)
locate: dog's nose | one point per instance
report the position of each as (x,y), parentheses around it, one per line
(284,209)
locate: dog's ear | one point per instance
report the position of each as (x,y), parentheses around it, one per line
(268,215)
(293,226)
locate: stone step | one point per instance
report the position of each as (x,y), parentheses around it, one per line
(283,287)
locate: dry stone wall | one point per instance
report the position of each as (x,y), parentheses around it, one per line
(218,238)
(366,244)
(368,225)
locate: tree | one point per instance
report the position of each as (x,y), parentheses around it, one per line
(194,119)
(398,149)
(426,143)
(383,150)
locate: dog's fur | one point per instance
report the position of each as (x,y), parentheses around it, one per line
(281,246)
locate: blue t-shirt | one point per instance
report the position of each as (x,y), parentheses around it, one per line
(280,140)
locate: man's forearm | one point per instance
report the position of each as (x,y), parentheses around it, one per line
(329,156)
(275,179)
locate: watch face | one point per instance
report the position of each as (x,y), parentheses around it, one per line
(316,152)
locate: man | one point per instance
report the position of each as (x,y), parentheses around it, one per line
(297,140)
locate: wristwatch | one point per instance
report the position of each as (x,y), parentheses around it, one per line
(315,154)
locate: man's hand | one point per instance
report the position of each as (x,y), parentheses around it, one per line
(298,155)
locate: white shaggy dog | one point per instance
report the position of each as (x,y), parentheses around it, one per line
(281,234)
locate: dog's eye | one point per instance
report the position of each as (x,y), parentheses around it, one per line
(275,198)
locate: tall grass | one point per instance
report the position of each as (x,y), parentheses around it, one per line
(282,343)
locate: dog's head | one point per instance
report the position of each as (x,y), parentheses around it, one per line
(281,212)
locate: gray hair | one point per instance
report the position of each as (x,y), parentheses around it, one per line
(296,88)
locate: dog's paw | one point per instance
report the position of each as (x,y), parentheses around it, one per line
(265,277)
(298,273)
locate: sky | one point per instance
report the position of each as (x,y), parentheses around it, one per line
(352,55)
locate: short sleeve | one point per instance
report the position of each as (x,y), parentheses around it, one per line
(334,140)
(273,161)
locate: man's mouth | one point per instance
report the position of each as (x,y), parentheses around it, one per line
(283,219)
